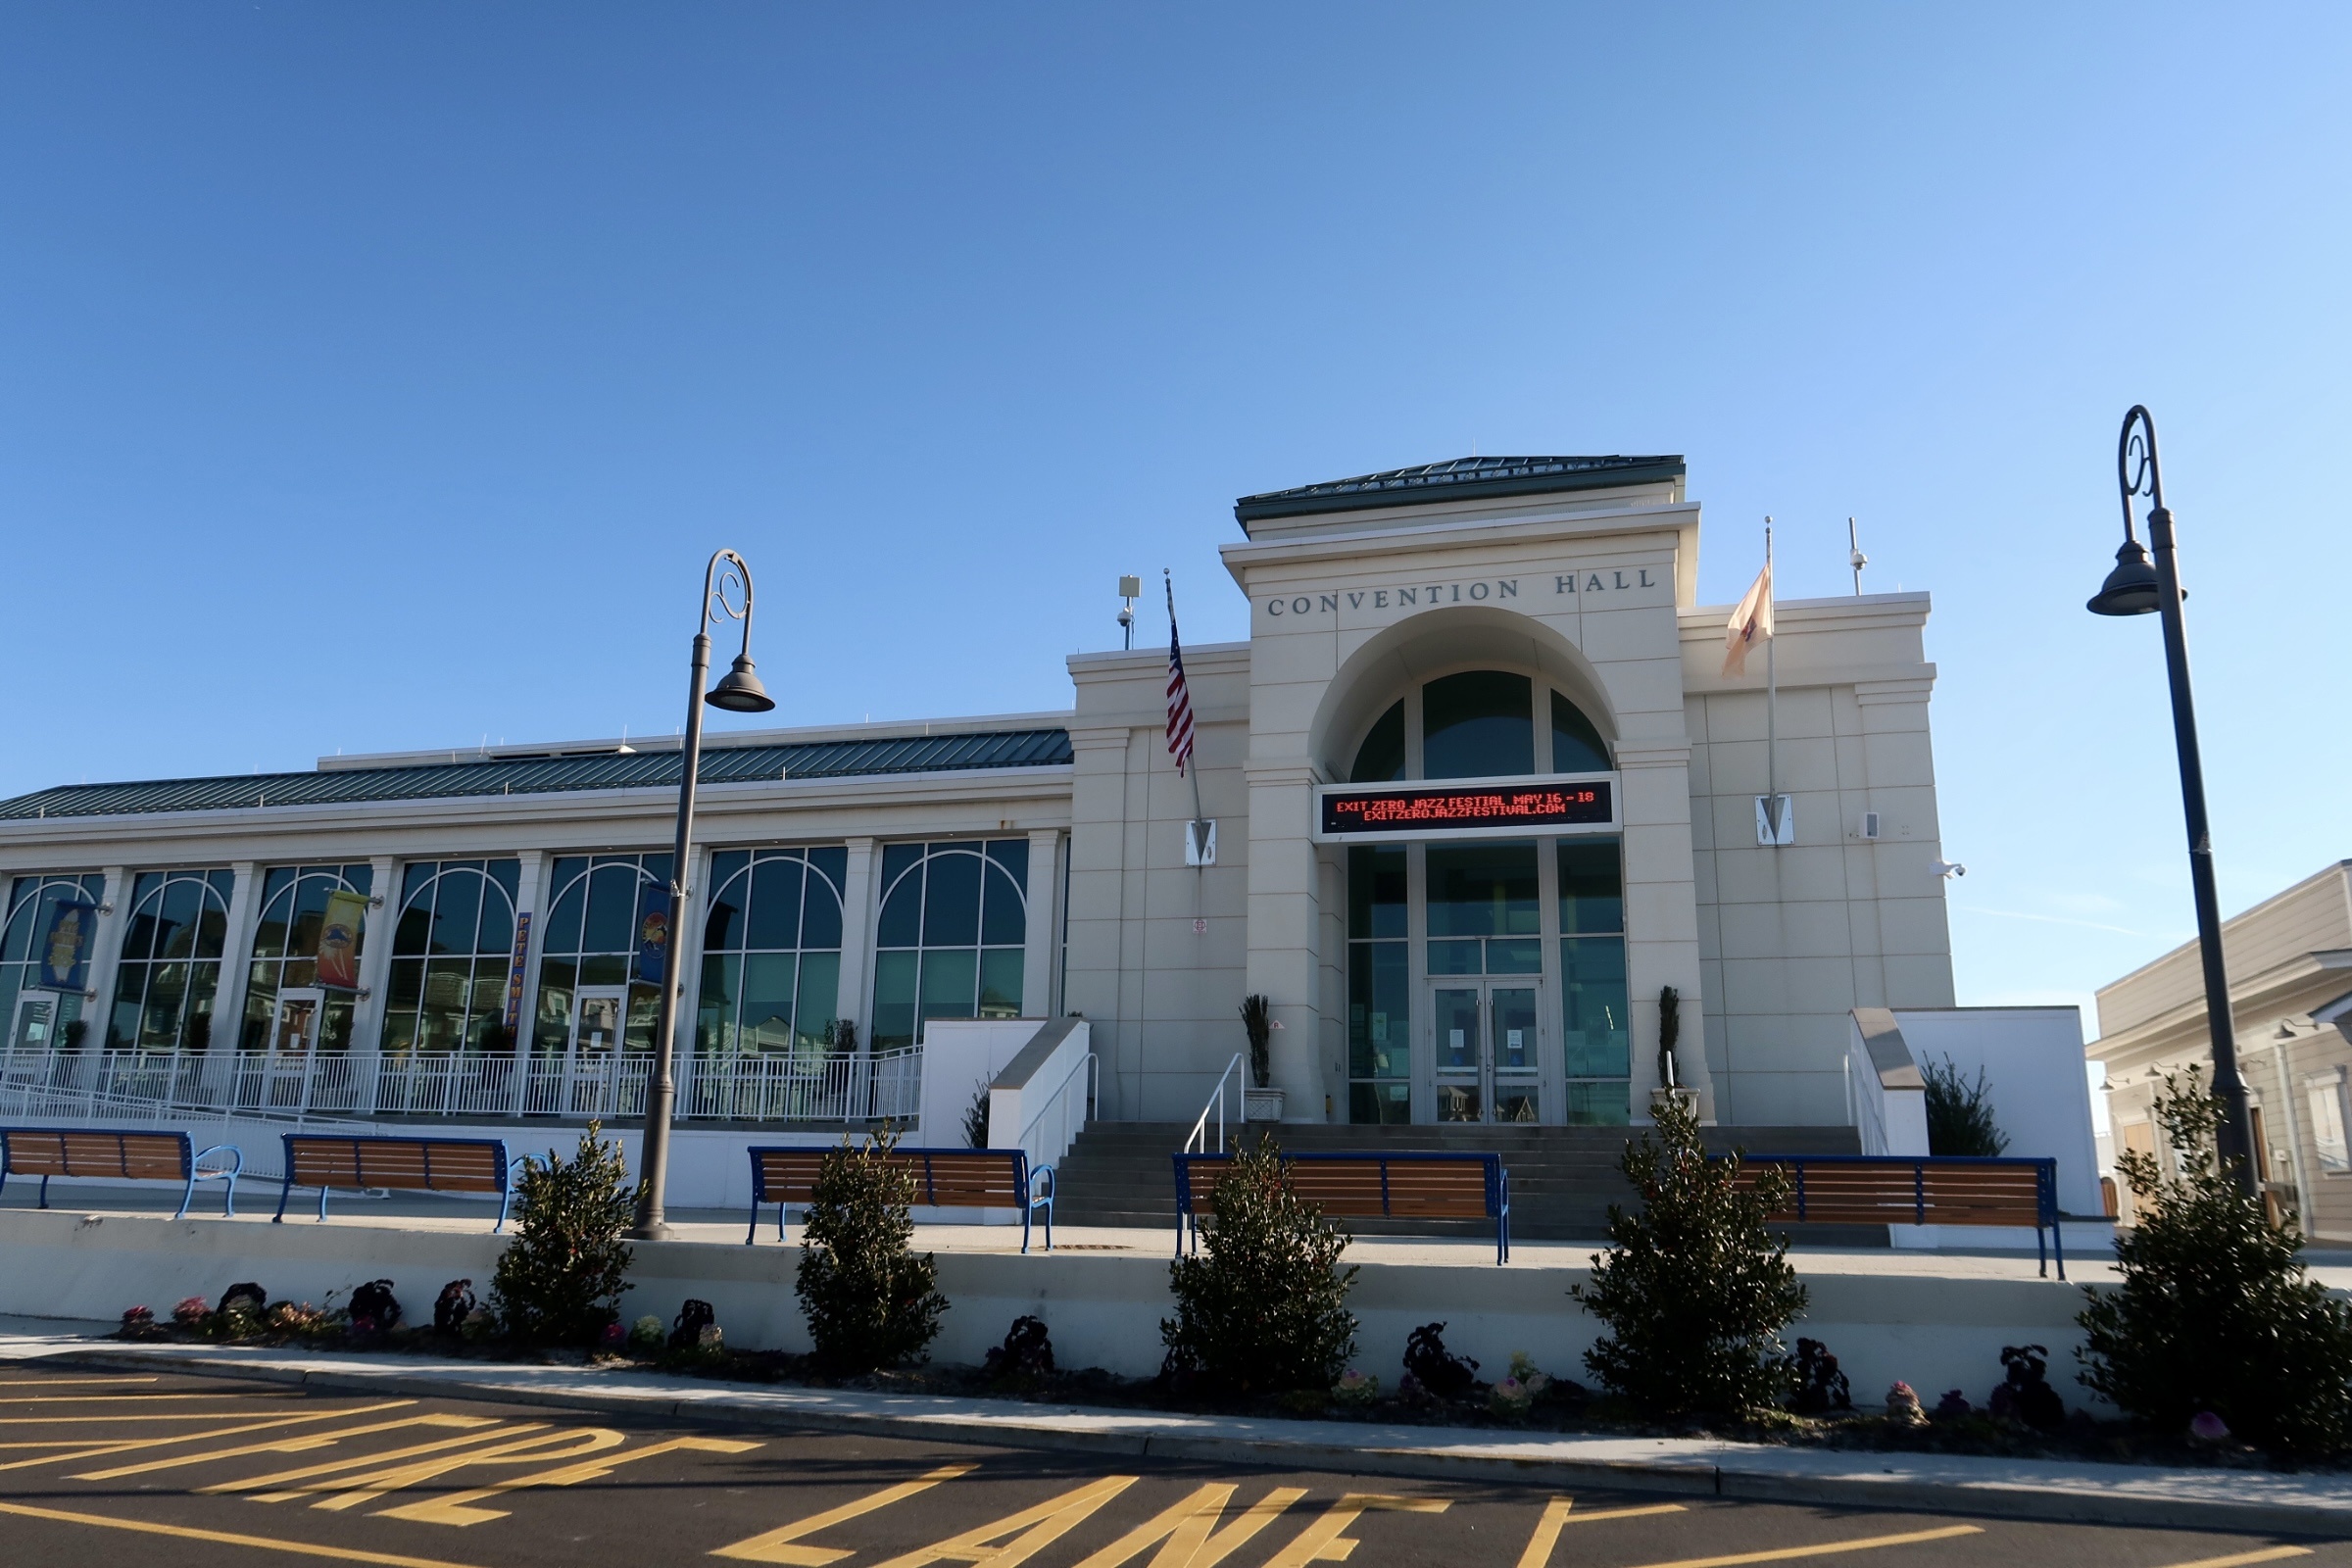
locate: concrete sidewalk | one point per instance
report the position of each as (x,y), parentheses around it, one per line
(2100,1493)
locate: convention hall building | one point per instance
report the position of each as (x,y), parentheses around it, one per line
(1480,789)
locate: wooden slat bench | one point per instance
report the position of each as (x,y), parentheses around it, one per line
(120,1154)
(398,1164)
(1922,1189)
(1408,1184)
(944,1178)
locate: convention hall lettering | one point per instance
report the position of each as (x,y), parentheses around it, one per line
(1487,590)
(1406,810)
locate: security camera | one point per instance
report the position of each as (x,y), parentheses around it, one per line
(1946,868)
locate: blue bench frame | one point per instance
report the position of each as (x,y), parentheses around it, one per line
(2045,1189)
(1497,1183)
(508,1170)
(189,1158)
(1025,1178)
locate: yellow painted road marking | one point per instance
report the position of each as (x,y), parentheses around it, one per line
(127,1415)
(778,1544)
(56,1383)
(105,1446)
(1324,1541)
(358,1489)
(2269,1555)
(1187,1528)
(301,1548)
(1557,1514)
(1039,1525)
(118,1398)
(1826,1548)
(256,1483)
(301,1444)
(454,1509)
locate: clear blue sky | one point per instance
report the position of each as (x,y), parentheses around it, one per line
(378,377)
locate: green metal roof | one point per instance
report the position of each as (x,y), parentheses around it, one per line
(1462,480)
(552,775)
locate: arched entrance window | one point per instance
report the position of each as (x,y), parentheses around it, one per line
(170,960)
(37,1016)
(1485,978)
(950,940)
(452,952)
(599,980)
(285,1006)
(771,951)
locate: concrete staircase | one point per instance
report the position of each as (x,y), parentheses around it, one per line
(1563,1179)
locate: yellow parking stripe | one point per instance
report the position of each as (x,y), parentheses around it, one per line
(301,1443)
(300,1549)
(129,1415)
(99,1448)
(1826,1548)
(280,1478)
(118,1398)
(56,1383)
(2270,1554)
(1557,1514)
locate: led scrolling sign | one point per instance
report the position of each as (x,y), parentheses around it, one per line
(1475,809)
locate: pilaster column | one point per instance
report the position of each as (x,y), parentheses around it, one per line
(375,956)
(1286,936)
(106,957)
(236,959)
(1662,914)
(531,888)
(1044,902)
(855,999)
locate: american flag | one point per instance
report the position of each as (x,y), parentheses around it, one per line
(1180,700)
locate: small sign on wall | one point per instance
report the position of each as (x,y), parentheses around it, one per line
(1200,842)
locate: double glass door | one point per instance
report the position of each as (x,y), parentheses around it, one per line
(598,1021)
(1485,1057)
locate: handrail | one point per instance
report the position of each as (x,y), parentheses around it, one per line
(1198,1143)
(1053,1101)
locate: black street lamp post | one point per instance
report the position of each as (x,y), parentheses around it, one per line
(2135,588)
(739,692)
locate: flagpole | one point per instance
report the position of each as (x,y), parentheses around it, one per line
(1198,815)
(1772,701)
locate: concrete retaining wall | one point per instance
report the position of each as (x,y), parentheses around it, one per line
(1933,1331)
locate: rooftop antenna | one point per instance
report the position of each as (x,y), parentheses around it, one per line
(1131,588)
(1854,556)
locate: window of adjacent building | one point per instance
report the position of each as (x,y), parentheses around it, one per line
(771,951)
(1485,914)
(285,948)
(1379,987)
(2325,1093)
(170,968)
(597,912)
(949,945)
(1595,1038)
(32,903)
(452,949)
(1481,723)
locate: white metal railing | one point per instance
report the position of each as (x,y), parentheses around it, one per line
(117,1085)
(1198,1143)
(1057,1109)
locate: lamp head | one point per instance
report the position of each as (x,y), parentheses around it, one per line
(739,690)
(2130,588)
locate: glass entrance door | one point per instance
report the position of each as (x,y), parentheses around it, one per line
(1486,1052)
(295,1032)
(592,1056)
(34,1027)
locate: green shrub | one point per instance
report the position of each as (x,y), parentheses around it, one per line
(560,1279)
(1267,1309)
(2216,1310)
(1694,1290)
(869,1301)
(1959,1116)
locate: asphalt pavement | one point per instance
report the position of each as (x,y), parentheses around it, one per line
(108,1466)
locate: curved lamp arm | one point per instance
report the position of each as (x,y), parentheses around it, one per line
(2137,471)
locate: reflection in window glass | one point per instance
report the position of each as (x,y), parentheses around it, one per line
(285,948)
(951,938)
(1484,916)
(1381,759)
(452,947)
(1576,745)
(603,912)
(1478,724)
(1596,1038)
(2326,1095)
(1379,987)
(33,902)
(171,967)
(771,951)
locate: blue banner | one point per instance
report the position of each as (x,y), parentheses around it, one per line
(653,936)
(66,946)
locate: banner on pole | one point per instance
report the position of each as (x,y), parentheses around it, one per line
(339,940)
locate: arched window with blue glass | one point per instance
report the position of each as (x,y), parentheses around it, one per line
(287,1007)
(452,953)
(605,951)
(952,935)
(771,953)
(45,941)
(170,968)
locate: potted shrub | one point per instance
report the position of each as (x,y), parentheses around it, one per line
(1260,1100)
(1670,1078)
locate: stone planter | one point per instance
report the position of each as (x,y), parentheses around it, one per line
(1687,1097)
(1262,1104)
